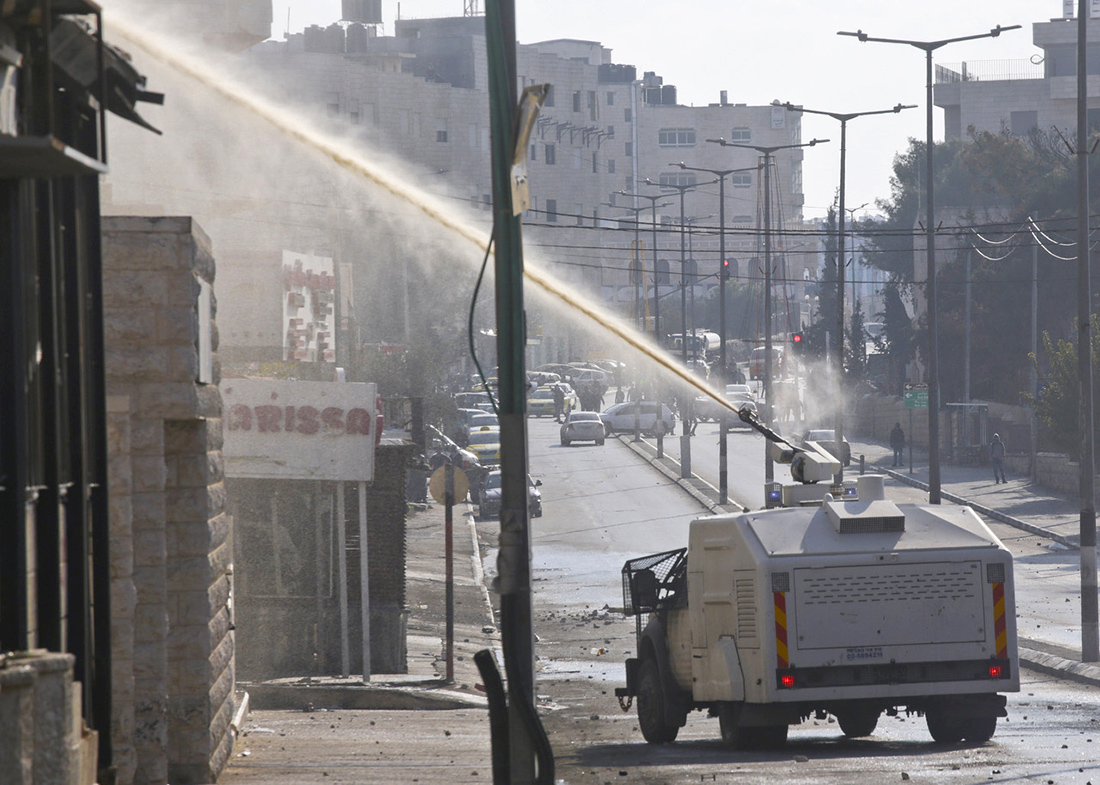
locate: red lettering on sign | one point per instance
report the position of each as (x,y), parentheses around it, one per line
(267,419)
(359,421)
(307,420)
(240,418)
(333,419)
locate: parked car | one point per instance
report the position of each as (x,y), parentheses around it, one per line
(823,437)
(474,400)
(541,402)
(709,409)
(583,427)
(620,417)
(485,444)
(488,502)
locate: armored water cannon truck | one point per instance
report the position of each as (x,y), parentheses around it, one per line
(852,606)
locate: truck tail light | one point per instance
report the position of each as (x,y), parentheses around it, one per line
(786,680)
(996,671)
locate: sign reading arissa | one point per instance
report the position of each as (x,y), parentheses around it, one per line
(276,429)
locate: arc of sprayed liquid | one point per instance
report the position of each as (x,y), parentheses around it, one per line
(155,46)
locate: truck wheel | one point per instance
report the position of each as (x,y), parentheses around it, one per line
(858,722)
(979,729)
(727,724)
(944,728)
(599,442)
(651,706)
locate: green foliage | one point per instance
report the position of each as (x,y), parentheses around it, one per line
(1057,405)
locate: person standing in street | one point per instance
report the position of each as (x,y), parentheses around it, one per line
(997,456)
(559,402)
(897,443)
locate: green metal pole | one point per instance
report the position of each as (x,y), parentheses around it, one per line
(514,560)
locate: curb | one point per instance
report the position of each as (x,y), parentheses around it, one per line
(1060,667)
(989,512)
(423,696)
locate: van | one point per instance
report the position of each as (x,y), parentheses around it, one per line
(756,362)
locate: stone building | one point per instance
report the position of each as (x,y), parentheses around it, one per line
(1020,95)
(172,649)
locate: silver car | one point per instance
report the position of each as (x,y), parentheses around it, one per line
(583,427)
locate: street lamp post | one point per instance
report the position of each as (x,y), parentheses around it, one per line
(767,152)
(721,174)
(928,47)
(685,433)
(636,269)
(838,478)
(659,424)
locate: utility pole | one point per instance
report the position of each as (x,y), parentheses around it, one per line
(928,47)
(528,750)
(768,153)
(723,276)
(838,435)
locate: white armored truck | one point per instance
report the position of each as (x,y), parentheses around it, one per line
(851,606)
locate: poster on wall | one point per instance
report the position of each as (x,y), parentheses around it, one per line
(281,429)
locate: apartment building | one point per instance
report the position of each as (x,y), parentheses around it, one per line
(604,131)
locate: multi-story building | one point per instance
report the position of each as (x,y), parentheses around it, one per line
(603,134)
(1019,95)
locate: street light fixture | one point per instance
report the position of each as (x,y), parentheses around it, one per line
(721,174)
(637,270)
(838,478)
(767,152)
(928,47)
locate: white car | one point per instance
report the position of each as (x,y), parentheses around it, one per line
(583,427)
(620,417)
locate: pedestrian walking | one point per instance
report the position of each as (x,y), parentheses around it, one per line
(897,444)
(997,456)
(559,402)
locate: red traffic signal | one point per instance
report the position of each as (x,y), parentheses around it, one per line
(725,268)
(796,341)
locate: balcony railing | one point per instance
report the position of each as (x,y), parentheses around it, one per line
(988,71)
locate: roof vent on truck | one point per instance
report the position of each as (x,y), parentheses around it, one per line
(865,517)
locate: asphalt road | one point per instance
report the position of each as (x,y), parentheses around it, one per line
(603,505)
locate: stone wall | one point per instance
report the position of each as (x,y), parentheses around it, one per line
(171,547)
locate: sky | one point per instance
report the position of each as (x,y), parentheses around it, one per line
(765,50)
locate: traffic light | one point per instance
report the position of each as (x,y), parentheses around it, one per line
(796,343)
(725,269)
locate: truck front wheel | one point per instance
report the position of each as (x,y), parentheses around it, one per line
(857,722)
(651,705)
(944,727)
(979,729)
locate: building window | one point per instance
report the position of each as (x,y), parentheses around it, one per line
(610,132)
(549,96)
(628,182)
(551,156)
(552,211)
(333,110)
(441,131)
(676,137)
(1022,122)
(534,152)
(486,201)
(627,117)
(576,100)
(610,99)
(579,214)
(741,180)
(595,164)
(593,106)
(689,273)
(353,118)
(741,135)
(629,150)
(679,178)
(611,166)
(741,219)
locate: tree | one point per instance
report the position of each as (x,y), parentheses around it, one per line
(824,319)
(1058,404)
(856,351)
(898,337)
